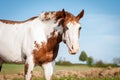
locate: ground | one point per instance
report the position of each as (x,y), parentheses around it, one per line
(76,72)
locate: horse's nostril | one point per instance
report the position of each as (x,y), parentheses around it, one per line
(72,47)
(64,41)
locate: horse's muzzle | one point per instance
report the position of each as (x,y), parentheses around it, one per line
(73,51)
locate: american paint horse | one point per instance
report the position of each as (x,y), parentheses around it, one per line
(36,41)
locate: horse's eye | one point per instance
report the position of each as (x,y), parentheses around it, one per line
(65,28)
(80,28)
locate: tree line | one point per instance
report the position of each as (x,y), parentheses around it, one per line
(89,60)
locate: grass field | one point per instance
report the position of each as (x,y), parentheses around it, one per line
(15,72)
(15,68)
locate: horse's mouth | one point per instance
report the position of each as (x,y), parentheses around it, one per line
(73,51)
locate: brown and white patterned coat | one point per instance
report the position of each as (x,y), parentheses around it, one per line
(36,40)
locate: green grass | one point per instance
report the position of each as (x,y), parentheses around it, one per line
(74,67)
(15,68)
(12,68)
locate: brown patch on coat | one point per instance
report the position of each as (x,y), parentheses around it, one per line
(51,78)
(47,52)
(26,68)
(17,22)
(31,75)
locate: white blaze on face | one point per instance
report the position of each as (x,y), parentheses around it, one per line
(71,36)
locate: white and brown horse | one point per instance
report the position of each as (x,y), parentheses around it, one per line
(36,40)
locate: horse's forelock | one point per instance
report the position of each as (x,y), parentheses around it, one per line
(65,17)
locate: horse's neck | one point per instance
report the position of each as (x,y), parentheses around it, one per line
(36,29)
(53,33)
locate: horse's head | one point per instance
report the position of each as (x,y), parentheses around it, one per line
(66,26)
(71,30)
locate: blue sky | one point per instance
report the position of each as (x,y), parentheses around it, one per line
(100,33)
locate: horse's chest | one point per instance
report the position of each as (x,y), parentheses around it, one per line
(44,55)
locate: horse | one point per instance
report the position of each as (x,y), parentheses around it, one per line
(36,41)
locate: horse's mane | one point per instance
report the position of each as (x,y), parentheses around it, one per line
(17,22)
(44,16)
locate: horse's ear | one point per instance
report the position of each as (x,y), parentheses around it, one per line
(80,15)
(63,13)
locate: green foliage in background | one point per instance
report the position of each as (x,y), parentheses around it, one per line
(83,56)
(90,61)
